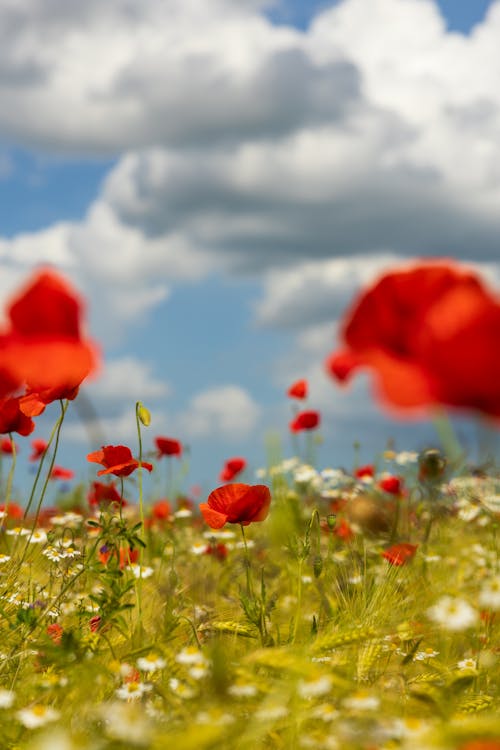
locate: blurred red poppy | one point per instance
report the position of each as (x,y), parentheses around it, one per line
(55,632)
(117,460)
(481,745)
(305,420)
(59,472)
(299,389)
(232,467)
(168,447)
(391,484)
(218,550)
(236,503)
(101,494)
(399,554)
(12,418)
(7,447)
(161,510)
(43,346)
(11,510)
(430,334)
(38,447)
(364,471)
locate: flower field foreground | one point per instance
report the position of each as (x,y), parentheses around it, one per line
(315,608)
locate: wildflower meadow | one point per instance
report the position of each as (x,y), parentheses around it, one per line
(308,606)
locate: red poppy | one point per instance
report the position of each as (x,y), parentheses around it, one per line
(298,389)
(11,510)
(364,471)
(343,530)
(58,472)
(232,467)
(95,623)
(117,460)
(161,510)
(168,447)
(305,420)
(126,556)
(391,484)
(39,447)
(412,328)
(219,551)
(101,494)
(7,447)
(44,347)
(55,632)
(12,418)
(481,745)
(236,503)
(399,554)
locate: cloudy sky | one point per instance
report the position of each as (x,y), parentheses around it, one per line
(219,177)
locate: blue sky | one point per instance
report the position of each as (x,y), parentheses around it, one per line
(220,182)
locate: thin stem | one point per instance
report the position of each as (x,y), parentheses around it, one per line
(250,591)
(10,477)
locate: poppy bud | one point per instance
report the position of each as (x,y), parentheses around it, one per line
(432,465)
(317,566)
(331,520)
(143,414)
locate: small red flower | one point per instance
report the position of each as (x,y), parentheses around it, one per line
(219,551)
(55,632)
(101,494)
(117,460)
(168,447)
(38,447)
(305,420)
(95,623)
(343,530)
(11,510)
(299,389)
(391,484)
(236,503)
(232,467)
(481,745)
(58,472)
(12,419)
(399,554)
(364,471)
(161,510)
(7,448)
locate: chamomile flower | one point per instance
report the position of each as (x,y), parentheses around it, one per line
(36,716)
(4,558)
(132,691)
(489,596)
(151,663)
(7,698)
(467,664)
(190,655)
(126,723)
(314,688)
(453,614)
(429,653)
(361,702)
(242,690)
(144,572)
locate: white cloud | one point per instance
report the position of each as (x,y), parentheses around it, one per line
(127,378)
(226,411)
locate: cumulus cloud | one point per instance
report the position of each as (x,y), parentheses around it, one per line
(226,411)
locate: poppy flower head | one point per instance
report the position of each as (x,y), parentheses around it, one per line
(299,389)
(7,447)
(411,329)
(236,503)
(232,467)
(117,460)
(168,447)
(399,554)
(101,494)
(161,510)
(305,420)
(12,419)
(44,347)
(59,472)
(391,484)
(38,448)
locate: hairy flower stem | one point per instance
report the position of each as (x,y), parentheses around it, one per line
(56,432)
(138,406)
(10,478)
(250,591)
